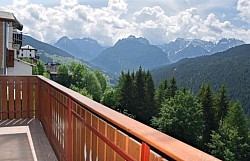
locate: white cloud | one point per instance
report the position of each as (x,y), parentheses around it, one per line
(243,6)
(108,24)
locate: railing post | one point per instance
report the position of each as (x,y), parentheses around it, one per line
(145,152)
(69,130)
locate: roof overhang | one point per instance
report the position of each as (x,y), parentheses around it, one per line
(9,17)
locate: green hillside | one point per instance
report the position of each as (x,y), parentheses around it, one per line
(231,67)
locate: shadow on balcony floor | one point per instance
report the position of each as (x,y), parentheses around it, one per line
(43,149)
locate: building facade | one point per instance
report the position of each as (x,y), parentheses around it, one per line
(10,43)
(27,51)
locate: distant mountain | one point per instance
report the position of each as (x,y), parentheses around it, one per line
(174,46)
(231,67)
(225,44)
(130,53)
(190,51)
(186,48)
(85,48)
(27,40)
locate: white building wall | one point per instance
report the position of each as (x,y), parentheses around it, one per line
(26,53)
(20,68)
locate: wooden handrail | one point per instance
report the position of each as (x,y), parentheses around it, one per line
(129,128)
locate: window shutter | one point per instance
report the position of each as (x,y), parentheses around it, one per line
(10,58)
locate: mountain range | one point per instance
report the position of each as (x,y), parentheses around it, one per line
(231,67)
(85,48)
(41,46)
(187,48)
(129,54)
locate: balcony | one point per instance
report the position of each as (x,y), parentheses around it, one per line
(81,129)
(17,40)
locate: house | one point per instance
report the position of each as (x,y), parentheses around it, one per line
(10,43)
(52,69)
(27,51)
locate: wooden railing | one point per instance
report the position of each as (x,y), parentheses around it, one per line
(81,129)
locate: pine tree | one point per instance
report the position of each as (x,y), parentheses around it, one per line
(149,101)
(172,87)
(140,95)
(205,97)
(160,94)
(125,92)
(222,104)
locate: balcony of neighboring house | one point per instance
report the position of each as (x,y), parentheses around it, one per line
(77,127)
(17,40)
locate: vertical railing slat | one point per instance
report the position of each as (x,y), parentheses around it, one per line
(111,135)
(88,117)
(24,97)
(17,98)
(94,138)
(69,130)
(4,99)
(122,142)
(83,136)
(102,146)
(37,104)
(11,98)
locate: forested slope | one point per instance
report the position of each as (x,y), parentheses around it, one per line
(231,67)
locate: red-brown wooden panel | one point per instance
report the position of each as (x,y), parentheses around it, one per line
(17,98)
(60,123)
(111,135)
(74,119)
(33,101)
(94,138)
(88,119)
(30,97)
(154,156)
(83,136)
(122,142)
(78,132)
(134,149)
(57,114)
(24,97)
(102,147)
(37,104)
(4,98)
(11,98)
(66,130)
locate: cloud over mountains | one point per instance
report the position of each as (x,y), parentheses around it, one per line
(111,22)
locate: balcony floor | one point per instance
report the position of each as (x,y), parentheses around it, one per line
(17,147)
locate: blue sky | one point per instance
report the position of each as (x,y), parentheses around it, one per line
(160,21)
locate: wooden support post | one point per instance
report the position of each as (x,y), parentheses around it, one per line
(145,152)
